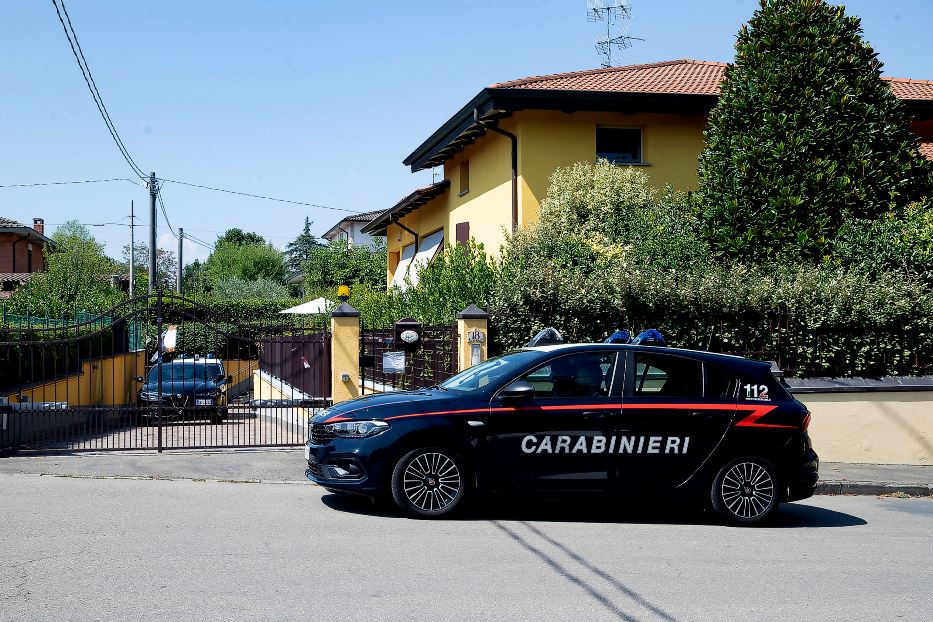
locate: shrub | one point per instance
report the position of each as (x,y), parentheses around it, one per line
(812,320)
(238,289)
(805,136)
(887,244)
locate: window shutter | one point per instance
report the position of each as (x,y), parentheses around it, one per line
(463,233)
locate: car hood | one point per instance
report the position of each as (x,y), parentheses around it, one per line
(181,386)
(382,405)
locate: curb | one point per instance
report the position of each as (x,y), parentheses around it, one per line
(845,487)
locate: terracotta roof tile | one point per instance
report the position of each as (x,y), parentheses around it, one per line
(682,77)
(926,148)
(905,88)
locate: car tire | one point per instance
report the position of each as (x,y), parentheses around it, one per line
(746,491)
(216,417)
(429,482)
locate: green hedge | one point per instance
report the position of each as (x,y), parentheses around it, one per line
(813,321)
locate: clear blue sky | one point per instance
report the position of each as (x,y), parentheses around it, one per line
(314,101)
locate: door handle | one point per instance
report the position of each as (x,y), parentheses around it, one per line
(476,424)
(594,413)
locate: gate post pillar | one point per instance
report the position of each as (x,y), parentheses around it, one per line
(345,353)
(473,333)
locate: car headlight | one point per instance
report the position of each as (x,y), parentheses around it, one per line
(357,429)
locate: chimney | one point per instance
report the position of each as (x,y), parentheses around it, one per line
(39,225)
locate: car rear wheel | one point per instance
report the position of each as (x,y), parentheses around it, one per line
(745,492)
(429,482)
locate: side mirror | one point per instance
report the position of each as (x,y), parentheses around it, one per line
(518,390)
(220,378)
(230,379)
(139,379)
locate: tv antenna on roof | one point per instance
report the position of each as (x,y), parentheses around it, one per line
(616,37)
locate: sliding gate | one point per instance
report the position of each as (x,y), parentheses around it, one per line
(160,372)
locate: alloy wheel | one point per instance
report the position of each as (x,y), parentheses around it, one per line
(747,490)
(432,481)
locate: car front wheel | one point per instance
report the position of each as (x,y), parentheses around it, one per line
(745,492)
(429,482)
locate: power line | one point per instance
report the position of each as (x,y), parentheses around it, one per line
(62,183)
(260,196)
(200,242)
(165,215)
(92,86)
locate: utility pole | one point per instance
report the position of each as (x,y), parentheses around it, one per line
(132,254)
(178,276)
(153,194)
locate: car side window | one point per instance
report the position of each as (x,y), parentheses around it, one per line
(720,384)
(586,374)
(663,375)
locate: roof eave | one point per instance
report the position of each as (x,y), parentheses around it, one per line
(508,100)
(29,232)
(378,225)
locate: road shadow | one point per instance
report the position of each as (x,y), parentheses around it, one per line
(576,509)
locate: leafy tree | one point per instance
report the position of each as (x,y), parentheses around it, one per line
(805,136)
(259,289)
(76,277)
(240,238)
(166,267)
(248,262)
(299,251)
(195,278)
(341,263)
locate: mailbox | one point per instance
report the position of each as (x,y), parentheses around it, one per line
(408,334)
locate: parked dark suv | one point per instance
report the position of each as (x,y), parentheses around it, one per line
(192,388)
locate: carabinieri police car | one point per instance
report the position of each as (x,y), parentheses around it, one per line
(634,421)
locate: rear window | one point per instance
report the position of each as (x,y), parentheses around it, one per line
(663,375)
(720,383)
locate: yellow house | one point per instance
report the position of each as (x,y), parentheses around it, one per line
(498,151)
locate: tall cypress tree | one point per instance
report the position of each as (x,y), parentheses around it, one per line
(805,135)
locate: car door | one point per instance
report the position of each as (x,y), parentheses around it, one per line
(670,423)
(557,439)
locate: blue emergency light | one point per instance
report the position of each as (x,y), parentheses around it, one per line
(620,336)
(650,337)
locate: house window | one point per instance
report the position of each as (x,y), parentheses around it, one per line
(464,177)
(411,263)
(463,233)
(619,145)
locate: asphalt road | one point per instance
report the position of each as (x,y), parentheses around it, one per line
(103,548)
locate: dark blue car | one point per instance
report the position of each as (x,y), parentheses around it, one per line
(635,421)
(192,388)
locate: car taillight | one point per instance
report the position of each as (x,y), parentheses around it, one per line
(806,422)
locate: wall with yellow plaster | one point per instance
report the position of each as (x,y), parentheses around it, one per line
(345,358)
(872,428)
(101,382)
(671,145)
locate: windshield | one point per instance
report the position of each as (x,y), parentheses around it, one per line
(175,372)
(490,372)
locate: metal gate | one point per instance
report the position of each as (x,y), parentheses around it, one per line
(433,362)
(160,372)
